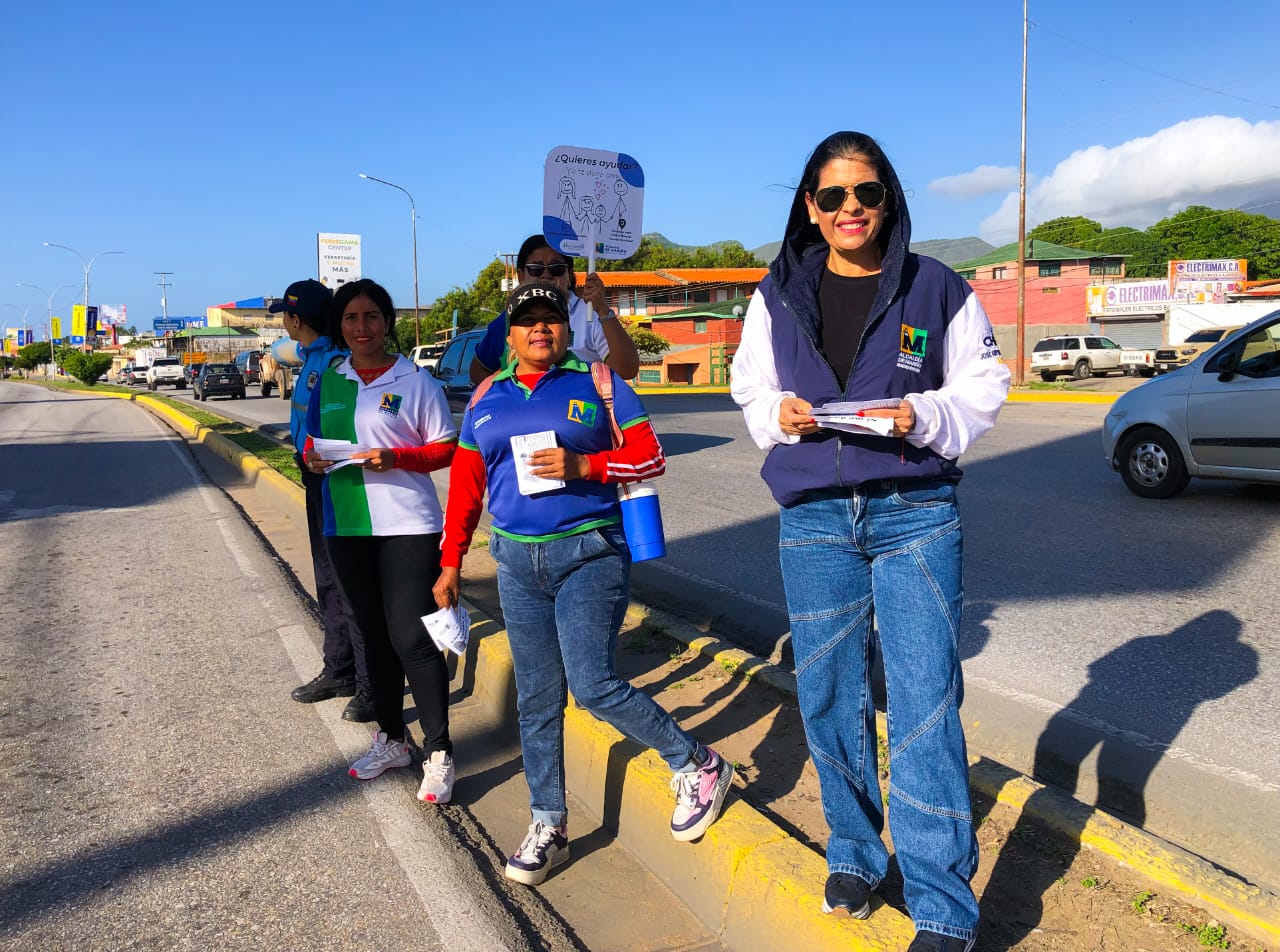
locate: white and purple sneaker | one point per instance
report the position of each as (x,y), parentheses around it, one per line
(700,794)
(543,848)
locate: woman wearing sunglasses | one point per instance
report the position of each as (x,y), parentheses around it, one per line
(869,530)
(603,339)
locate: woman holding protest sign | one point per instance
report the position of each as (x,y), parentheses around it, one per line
(382,520)
(602,338)
(564,569)
(869,529)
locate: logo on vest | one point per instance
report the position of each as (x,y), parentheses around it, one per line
(911,350)
(580,411)
(391,404)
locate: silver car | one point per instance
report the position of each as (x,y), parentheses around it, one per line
(1216,418)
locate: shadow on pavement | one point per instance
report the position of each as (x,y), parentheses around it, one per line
(1160,673)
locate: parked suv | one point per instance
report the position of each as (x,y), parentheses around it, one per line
(166,372)
(1081,356)
(250,364)
(427,356)
(1179,355)
(453,370)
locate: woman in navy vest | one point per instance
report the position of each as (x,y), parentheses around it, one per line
(869,530)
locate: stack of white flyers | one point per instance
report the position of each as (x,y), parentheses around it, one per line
(847,415)
(449,628)
(522,447)
(340,450)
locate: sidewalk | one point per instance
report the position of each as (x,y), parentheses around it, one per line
(1055,874)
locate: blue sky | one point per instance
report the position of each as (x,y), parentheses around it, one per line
(215,140)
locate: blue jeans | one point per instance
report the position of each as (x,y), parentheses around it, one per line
(889,552)
(563,602)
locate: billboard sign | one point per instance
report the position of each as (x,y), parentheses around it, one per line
(592,203)
(1207,281)
(337,259)
(108,314)
(55,328)
(163,325)
(1128,297)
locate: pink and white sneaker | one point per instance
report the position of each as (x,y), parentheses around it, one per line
(700,794)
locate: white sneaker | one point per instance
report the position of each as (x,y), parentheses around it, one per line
(382,756)
(437,778)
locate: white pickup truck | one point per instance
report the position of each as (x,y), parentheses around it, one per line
(1087,355)
(166,372)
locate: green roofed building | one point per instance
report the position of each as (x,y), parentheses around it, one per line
(1044,260)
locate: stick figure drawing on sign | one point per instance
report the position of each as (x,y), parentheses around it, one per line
(586,204)
(566,192)
(620,209)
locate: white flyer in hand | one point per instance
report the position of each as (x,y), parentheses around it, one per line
(525,445)
(449,628)
(335,449)
(846,415)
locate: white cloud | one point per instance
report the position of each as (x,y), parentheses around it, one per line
(984,180)
(1218,161)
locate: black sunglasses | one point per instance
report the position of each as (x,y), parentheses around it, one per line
(534,269)
(868,194)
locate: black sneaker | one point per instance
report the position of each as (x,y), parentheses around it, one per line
(360,707)
(934,942)
(322,687)
(847,895)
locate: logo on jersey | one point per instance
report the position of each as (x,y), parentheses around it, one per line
(912,348)
(391,404)
(580,411)
(311,379)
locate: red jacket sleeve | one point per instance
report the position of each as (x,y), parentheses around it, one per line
(424,459)
(639,457)
(466,503)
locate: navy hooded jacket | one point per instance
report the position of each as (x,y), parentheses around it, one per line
(927,339)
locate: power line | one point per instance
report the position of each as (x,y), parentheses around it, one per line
(1092,48)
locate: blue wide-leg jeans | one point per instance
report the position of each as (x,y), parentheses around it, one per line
(563,602)
(890,552)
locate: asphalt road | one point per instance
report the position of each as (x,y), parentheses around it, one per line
(159,790)
(1103,634)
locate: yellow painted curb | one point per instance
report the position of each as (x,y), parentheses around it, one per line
(1041,396)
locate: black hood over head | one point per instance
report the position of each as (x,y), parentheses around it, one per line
(798,267)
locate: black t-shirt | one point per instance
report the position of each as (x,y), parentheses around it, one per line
(844,305)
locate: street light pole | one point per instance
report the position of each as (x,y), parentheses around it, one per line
(413,217)
(88,266)
(48,310)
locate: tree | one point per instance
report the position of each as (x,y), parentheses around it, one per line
(649,344)
(87,368)
(32,356)
(1074,231)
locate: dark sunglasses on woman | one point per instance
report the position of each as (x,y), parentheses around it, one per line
(832,198)
(534,269)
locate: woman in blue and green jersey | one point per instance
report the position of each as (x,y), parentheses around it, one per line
(383,521)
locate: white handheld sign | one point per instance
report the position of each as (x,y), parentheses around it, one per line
(592,202)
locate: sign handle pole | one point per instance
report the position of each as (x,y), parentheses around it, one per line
(591,266)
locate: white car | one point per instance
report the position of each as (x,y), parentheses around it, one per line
(1081,355)
(1216,418)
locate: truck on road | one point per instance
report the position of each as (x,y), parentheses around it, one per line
(278,366)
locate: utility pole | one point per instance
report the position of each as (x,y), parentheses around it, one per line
(1018,377)
(164,296)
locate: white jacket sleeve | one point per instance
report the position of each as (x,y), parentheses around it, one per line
(754,385)
(975,384)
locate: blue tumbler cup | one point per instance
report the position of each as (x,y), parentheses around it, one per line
(642,521)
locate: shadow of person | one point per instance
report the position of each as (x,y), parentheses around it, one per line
(1158,681)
